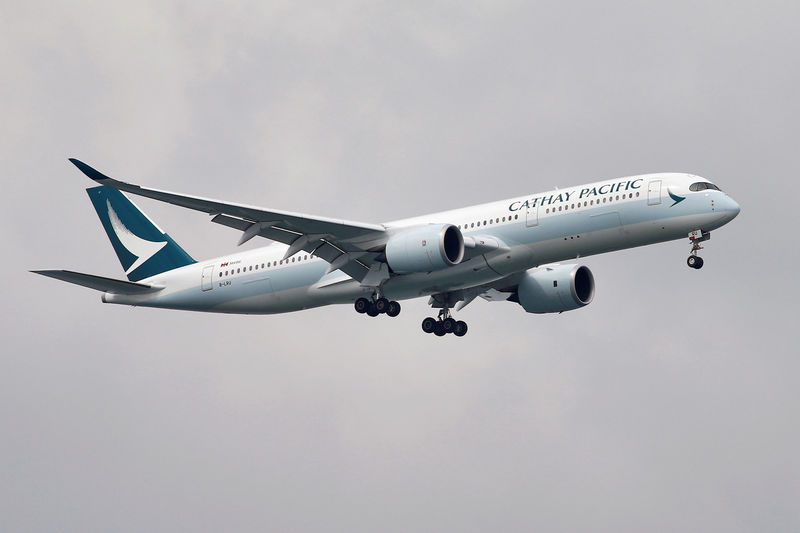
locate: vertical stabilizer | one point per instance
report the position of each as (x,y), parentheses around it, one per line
(142,247)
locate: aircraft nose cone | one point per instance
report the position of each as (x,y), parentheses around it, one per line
(732,208)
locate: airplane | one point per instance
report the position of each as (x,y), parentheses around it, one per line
(521,250)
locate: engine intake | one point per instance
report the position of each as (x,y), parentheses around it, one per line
(425,248)
(555,289)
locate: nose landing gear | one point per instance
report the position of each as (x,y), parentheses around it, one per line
(696,237)
(695,261)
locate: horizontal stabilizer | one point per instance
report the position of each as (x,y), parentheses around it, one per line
(98,283)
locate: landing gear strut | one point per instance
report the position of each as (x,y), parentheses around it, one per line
(376,307)
(444,325)
(696,237)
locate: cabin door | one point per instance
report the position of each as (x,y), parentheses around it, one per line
(532,216)
(654,192)
(207,281)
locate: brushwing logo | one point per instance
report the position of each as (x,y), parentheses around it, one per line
(675,198)
(141,248)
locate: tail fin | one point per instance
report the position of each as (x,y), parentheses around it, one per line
(142,248)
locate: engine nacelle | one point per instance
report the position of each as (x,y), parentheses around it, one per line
(425,248)
(555,289)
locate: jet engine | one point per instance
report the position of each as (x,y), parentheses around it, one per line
(557,288)
(425,248)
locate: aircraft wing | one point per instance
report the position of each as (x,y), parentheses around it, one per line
(349,246)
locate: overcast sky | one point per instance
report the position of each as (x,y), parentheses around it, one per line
(671,403)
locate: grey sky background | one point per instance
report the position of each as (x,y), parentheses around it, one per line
(670,403)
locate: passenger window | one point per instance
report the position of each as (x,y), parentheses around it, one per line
(220,274)
(617,198)
(637,195)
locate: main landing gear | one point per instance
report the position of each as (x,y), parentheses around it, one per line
(444,325)
(376,307)
(696,237)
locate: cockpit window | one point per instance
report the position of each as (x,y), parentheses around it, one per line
(703,185)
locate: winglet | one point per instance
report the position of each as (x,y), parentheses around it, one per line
(89,171)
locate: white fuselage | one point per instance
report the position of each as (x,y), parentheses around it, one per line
(520,234)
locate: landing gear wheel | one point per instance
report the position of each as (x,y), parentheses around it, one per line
(695,262)
(381,304)
(361,305)
(439,330)
(460,328)
(429,325)
(393,310)
(372,310)
(696,237)
(448,324)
